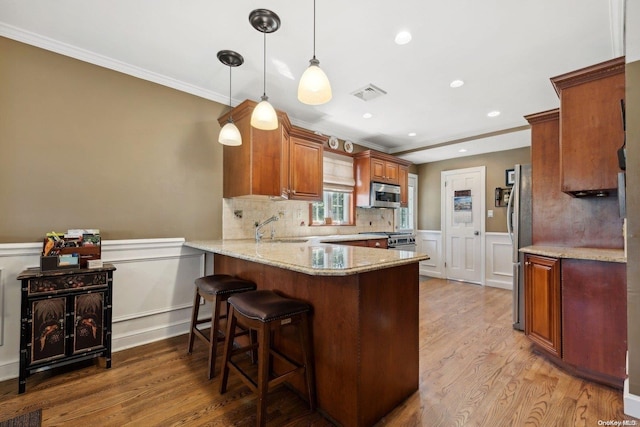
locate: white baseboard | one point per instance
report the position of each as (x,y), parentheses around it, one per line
(631,401)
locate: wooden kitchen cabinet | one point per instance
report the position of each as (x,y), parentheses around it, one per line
(372,166)
(403,179)
(368,243)
(284,163)
(384,171)
(65,318)
(543,303)
(305,165)
(591,128)
(594,319)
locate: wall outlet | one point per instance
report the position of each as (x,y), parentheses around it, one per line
(490,213)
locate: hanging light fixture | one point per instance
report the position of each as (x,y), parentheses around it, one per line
(314,87)
(264,116)
(230,134)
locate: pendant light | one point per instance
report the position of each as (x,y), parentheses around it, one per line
(230,134)
(314,87)
(264,115)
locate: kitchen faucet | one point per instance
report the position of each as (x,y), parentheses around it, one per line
(259,226)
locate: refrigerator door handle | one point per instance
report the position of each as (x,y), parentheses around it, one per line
(514,255)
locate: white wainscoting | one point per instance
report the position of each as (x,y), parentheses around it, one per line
(498,269)
(430,243)
(152,291)
(499,265)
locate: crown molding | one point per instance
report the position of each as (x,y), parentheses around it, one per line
(84,55)
(47,43)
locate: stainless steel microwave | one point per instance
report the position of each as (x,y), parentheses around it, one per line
(385,195)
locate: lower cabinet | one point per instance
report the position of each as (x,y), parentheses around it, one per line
(542,303)
(594,321)
(370,243)
(65,318)
(576,311)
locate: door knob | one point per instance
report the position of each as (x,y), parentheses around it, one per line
(476,233)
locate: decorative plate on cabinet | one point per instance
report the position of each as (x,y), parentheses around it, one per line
(333,142)
(348,146)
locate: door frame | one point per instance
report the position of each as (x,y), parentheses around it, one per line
(483,201)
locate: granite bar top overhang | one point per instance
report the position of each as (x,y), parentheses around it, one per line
(593,254)
(311,255)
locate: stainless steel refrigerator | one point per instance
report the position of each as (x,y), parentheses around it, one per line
(519,214)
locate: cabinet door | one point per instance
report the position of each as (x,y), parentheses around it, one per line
(48,329)
(378,170)
(594,316)
(403,179)
(542,303)
(305,169)
(392,172)
(89,324)
(591,130)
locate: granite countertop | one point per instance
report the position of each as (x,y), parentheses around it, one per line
(594,254)
(312,255)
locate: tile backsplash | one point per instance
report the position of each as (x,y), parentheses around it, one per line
(240,215)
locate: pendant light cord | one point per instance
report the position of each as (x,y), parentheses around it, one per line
(314,29)
(229,86)
(264,67)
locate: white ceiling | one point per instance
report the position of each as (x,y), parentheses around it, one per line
(505,51)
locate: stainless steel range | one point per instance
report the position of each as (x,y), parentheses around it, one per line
(400,241)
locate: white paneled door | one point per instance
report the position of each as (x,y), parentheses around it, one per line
(463,206)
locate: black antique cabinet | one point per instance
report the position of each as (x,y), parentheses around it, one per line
(65,318)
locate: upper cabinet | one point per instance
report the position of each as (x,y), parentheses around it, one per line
(385,171)
(372,166)
(591,128)
(306,151)
(284,163)
(403,178)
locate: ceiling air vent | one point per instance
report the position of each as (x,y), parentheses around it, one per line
(369,92)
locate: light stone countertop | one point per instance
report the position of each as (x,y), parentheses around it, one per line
(594,254)
(312,255)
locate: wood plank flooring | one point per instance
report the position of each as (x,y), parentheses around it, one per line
(475,370)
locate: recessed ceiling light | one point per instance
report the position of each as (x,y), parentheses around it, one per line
(462,150)
(403,37)
(367,115)
(456,83)
(493,113)
(412,134)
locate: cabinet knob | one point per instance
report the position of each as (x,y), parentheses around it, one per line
(377,244)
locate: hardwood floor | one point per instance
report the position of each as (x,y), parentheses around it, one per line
(475,370)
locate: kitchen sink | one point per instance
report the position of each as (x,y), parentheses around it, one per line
(286,240)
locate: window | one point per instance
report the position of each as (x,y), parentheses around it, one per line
(336,209)
(405,217)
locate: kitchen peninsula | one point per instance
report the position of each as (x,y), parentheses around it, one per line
(365,315)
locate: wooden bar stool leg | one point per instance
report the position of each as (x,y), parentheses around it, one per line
(264,345)
(194,319)
(304,330)
(213,335)
(228,347)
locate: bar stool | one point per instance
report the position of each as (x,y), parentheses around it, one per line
(265,312)
(215,288)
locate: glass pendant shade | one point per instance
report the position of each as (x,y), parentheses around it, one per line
(230,134)
(314,87)
(264,116)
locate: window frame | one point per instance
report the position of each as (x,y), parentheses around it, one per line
(350,215)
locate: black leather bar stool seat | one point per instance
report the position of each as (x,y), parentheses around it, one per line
(215,288)
(264,312)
